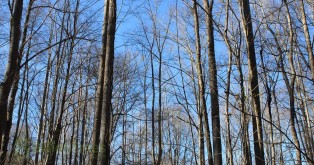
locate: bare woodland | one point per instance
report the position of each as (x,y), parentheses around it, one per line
(161,82)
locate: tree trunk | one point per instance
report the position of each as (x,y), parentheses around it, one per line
(309,47)
(83,127)
(57,131)
(229,140)
(99,93)
(153,105)
(213,87)
(159,112)
(108,78)
(12,68)
(290,85)
(201,93)
(27,141)
(20,113)
(253,82)
(42,108)
(268,102)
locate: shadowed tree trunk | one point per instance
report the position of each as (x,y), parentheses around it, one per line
(253,82)
(42,106)
(291,85)
(268,102)
(12,68)
(14,89)
(51,160)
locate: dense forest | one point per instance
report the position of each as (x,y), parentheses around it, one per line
(161,82)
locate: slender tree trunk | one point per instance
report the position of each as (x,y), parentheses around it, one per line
(73,129)
(281,158)
(290,85)
(159,112)
(309,47)
(20,113)
(108,77)
(146,113)
(201,88)
(100,91)
(14,89)
(269,101)
(51,160)
(306,113)
(12,68)
(78,114)
(229,155)
(229,141)
(42,108)
(27,141)
(213,87)
(253,82)
(6,137)
(153,105)
(244,112)
(83,127)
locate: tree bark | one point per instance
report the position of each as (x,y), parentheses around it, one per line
(290,85)
(99,94)
(253,82)
(12,67)
(309,47)
(108,78)
(201,87)
(153,104)
(213,87)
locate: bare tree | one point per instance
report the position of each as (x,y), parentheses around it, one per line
(254,85)
(201,87)
(12,69)
(213,87)
(99,94)
(107,89)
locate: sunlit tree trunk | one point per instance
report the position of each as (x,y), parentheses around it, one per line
(201,94)
(309,46)
(99,93)
(213,87)
(108,77)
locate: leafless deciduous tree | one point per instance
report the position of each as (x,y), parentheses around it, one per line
(156,82)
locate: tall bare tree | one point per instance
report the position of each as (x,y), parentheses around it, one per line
(107,89)
(201,87)
(309,46)
(100,92)
(12,69)
(253,82)
(213,87)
